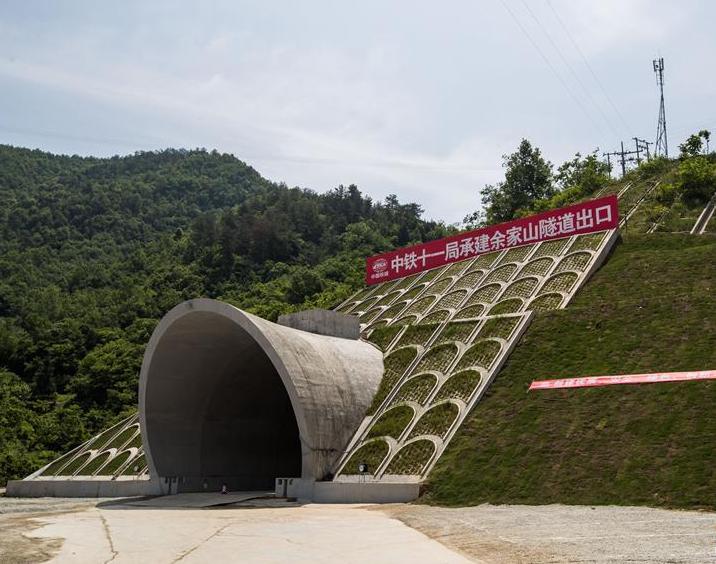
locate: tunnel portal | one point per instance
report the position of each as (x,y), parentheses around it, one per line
(218,410)
(226,397)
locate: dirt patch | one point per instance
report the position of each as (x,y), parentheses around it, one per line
(20,516)
(16,547)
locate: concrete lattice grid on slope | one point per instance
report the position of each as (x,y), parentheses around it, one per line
(115,453)
(512,283)
(444,325)
(435,311)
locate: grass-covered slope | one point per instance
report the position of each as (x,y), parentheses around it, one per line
(652,307)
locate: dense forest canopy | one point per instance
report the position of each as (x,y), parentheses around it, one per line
(94,251)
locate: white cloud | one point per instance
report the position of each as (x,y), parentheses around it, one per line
(293,109)
(605,25)
(411,102)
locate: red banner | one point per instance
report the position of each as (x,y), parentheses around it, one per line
(578,219)
(593,381)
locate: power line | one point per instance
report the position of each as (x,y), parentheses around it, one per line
(589,67)
(549,64)
(571,69)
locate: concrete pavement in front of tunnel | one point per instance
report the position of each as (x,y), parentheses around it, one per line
(198,500)
(308,533)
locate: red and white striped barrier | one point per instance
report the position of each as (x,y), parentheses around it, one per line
(592,381)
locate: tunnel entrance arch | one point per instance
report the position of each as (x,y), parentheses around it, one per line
(229,398)
(218,409)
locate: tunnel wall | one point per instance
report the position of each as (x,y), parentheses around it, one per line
(227,397)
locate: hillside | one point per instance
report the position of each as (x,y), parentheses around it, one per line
(94,251)
(658,196)
(651,307)
(666,196)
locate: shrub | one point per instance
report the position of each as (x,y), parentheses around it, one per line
(666,194)
(653,167)
(696,180)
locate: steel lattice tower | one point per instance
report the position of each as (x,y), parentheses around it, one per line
(661,146)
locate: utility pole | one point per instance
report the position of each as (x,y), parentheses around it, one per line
(661,144)
(616,154)
(642,145)
(609,162)
(622,157)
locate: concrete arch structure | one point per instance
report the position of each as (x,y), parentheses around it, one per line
(228,397)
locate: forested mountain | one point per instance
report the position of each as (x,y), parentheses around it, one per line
(94,251)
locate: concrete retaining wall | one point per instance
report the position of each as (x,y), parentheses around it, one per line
(308,490)
(349,492)
(82,488)
(323,322)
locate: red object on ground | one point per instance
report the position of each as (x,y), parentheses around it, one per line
(592,381)
(586,217)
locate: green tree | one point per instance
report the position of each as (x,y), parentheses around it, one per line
(588,174)
(303,283)
(107,377)
(696,180)
(705,134)
(17,426)
(364,237)
(692,146)
(528,178)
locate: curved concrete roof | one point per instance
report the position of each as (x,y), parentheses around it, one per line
(207,359)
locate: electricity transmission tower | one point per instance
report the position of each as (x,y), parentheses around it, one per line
(661,146)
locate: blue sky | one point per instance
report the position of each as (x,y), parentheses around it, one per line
(420,99)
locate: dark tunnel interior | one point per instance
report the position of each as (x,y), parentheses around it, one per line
(217,411)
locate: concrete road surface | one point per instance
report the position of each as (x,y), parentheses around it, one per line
(311,533)
(272,530)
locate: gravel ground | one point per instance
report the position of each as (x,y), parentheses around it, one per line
(561,533)
(35,530)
